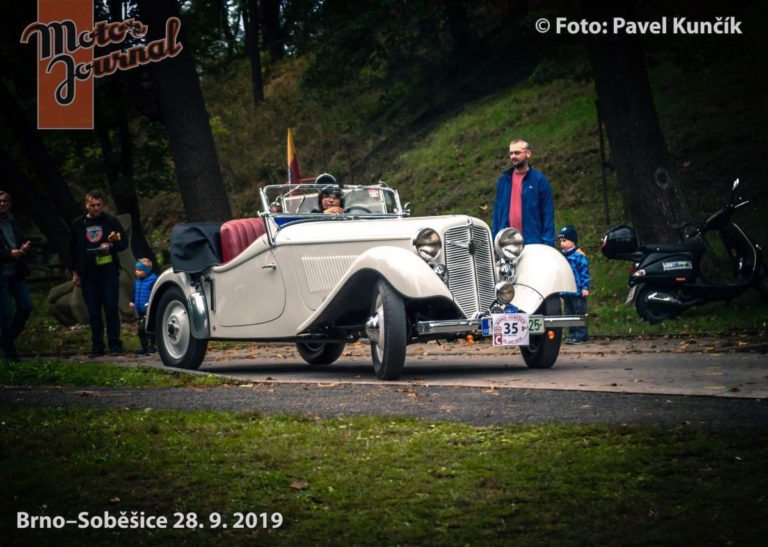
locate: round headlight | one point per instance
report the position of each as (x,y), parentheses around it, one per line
(509,243)
(428,244)
(505,292)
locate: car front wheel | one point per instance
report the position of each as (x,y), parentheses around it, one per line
(387,330)
(173,331)
(543,349)
(320,353)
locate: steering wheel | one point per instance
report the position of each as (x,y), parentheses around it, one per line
(358,208)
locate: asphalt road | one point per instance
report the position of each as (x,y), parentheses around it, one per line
(663,366)
(662,382)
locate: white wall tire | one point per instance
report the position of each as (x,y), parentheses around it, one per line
(388,350)
(173,332)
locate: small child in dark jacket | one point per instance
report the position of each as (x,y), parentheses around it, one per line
(145,280)
(575,303)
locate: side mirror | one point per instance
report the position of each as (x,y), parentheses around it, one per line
(407,208)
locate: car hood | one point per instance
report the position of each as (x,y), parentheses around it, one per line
(386,229)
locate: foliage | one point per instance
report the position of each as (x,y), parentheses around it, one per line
(365,481)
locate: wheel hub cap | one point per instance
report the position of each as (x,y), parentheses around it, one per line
(177,332)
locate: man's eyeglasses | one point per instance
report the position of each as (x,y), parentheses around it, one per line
(336,194)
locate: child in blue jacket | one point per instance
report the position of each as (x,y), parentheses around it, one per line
(575,303)
(145,280)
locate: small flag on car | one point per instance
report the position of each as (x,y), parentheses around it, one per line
(293,162)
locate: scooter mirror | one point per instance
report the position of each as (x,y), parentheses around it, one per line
(735,184)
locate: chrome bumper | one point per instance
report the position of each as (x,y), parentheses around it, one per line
(460,326)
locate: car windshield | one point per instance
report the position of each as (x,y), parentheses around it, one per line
(304,200)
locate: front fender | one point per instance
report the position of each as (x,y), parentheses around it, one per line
(541,271)
(407,273)
(196,302)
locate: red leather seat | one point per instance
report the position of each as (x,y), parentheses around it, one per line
(238,234)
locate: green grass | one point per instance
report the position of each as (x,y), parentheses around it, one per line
(63,373)
(372,481)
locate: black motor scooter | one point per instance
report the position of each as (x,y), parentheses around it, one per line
(666,278)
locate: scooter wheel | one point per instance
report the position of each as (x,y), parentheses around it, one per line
(651,312)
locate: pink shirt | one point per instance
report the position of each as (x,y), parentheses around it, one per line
(516,200)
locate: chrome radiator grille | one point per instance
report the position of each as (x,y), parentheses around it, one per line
(469,259)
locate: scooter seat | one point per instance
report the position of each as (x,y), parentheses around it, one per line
(694,247)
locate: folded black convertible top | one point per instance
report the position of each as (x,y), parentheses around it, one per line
(195,246)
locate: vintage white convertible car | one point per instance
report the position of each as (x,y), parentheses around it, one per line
(373,272)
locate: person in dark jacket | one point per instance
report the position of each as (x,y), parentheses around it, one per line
(330,201)
(524,199)
(94,242)
(142,289)
(13,285)
(575,303)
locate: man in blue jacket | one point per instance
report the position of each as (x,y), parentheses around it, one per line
(524,198)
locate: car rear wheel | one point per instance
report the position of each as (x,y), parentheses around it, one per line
(387,329)
(173,331)
(543,349)
(320,353)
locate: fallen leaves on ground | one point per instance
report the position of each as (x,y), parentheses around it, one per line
(90,394)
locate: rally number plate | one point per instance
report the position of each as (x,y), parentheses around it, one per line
(514,329)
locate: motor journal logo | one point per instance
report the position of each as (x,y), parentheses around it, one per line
(66,67)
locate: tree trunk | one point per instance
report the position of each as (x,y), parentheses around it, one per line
(38,155)
(224,29)
(189,131)
(120,171)
(251,22)
(41,210)
(643,167)
(120,179)
(272,30)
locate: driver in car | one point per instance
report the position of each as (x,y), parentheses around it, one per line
(330,201)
